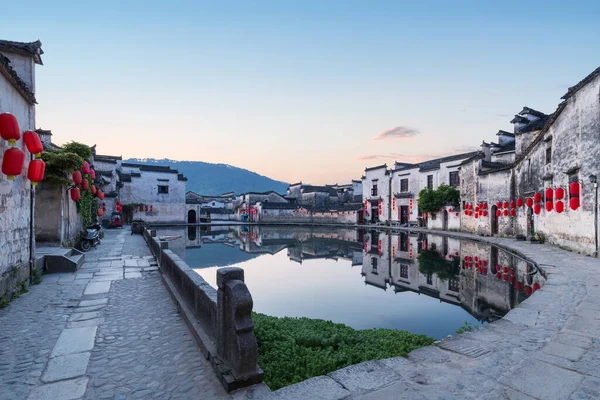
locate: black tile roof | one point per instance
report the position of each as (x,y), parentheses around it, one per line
(574,89)
(278,206)
(531,111)
(536,125)
(519,119)
(11,76)
(377,167)
(504,133)
(33,49)
(432,165)
(103,156)
(104,173)
(510,146)
(319,189)
(41,131)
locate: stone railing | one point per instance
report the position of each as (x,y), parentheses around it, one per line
(220,319)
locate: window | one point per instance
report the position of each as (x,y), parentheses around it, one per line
(454,181)
(162,189)
(404,185)
(429,279)
(453,284)
(403,241)
(374,265)
(374,189)
(548,154)
(403,271)
(430,181)
(433,216)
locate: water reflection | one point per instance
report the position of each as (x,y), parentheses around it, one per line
(434,276)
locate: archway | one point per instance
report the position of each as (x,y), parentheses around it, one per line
(530,227)
(445,220)
(191,217)
(494,220)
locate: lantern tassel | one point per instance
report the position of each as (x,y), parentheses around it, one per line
(12,142)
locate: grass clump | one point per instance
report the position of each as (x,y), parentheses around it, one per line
(467,327)
(294,349)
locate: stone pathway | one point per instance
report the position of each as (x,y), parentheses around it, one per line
(109,331)
(547,348)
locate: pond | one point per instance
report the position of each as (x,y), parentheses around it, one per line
(422,283)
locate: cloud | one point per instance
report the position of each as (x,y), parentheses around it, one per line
(417,158)
(398,132)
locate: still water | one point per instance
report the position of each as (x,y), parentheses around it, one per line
(421,283)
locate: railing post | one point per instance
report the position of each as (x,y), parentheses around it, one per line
(236,342)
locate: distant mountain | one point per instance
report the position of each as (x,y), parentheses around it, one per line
(214,179)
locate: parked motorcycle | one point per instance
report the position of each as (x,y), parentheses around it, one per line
(90,237)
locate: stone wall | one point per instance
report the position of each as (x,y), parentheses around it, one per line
(56,216)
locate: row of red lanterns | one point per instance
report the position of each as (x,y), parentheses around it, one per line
(13,160)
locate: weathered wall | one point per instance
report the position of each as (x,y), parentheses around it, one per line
(303,216)
(56,217)
(382,177)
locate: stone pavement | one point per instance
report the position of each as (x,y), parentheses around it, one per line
(109,331)
(547,348)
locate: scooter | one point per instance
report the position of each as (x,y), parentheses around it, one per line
(90,237)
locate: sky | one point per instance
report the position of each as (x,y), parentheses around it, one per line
(305,90)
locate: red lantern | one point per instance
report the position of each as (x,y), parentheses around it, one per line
(505,277)
(537,197)
(103,208)
(476,258)
(529,202)
(574,203)
(519,286)
(85,184)
(485,213)
(103,204)
(485,206)
(513,212)
(505,269)
(93,174)
(512,204)
(476,215)
(499,275)
(75,195)
(456,214)
(506,212)
(35,172)
(12,164)
(537,209)
(574,188)
(499,204)
(506,204)
(33,143)
(93,189)
(100,194)
(519,202)
(9,128)
(528,290)
(560,193)
(536,286)
(511,280)
(498,213)
(560,207)
(476,208)
(77,177)
(549,206)
(100,212)
(549,194)
(85,168)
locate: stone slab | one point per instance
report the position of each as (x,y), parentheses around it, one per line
(97,287)
(525,316)
(64,390)
(543,381)
(585,326)
(365,376)
(130,275)
(75,340)
(66,367)
(464,346)
(87,322)
(82,316)
(569,352)
(318,388)
(89,303)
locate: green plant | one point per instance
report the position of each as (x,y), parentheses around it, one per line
(36,276)
(467,327)
(59,163)
(431,200)
(294,349)
(539,237)
(82,150)
(430,262)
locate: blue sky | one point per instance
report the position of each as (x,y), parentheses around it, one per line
(299,90)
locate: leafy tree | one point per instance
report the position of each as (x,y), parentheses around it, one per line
(430,263)
(431,200)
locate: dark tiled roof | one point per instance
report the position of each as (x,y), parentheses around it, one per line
(319,189)
(510,146)
(181,177)
(41,131)
(504,133)
(278,206)
(377,167)
(104,173)
(475,156)
(105,157)
(356,181)
(536,125)
(296,184)
(33,49)
(531,111)
(519,119)
(573,89)
(210,210)
(489,164)
(11,76)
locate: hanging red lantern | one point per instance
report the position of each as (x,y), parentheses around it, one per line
(560,207)
(35,171)
(505,277)
(85,184)
(549,206)
(85,168)
(499,275)
(75,194)
(574,203)
(476,215)
(498,213)
(505,269)
(537,197)
(100,194)
(33,143)
(519,286)
(100,212)
(512,204)
(513,212)
(103,204)
(9,128)
(103,208)
(536,286)
(528,290)
(549,194)
(511,280)
(151,208)
(560,193)
(537,209)
(485,213)
(485,206)
(506,212)
(529,202)
(506,204)
(499,204)
(93,189)
(512,272)
(76,177)
(456,214)
(519,202)
(93,174)
(12,163)
(476,258)
(574,188)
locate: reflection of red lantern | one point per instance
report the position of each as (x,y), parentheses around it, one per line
(85,168)
(512,204)
(76,177)
(9,128)
(506,212)
(85,184)
(485,213)
(100,212)
(536,286)
(549,194)
(506,204)
(528,290)
(519,286)
(513,212)
(75,195)
(511,280)
(537,197)
(574,188)
(574,203)
(498,213)
(529,202)
(519,202)
(560,207)
(33,143)
(560,193)
(12,163)
(498,275)
(549,206)
(35,172)
(537,209)
(499,204)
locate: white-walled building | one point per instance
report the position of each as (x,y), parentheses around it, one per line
(376,194)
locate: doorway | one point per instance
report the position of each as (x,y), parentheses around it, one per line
(191,217)
(530,226)
(494,220)
(404,214)
(445,220)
